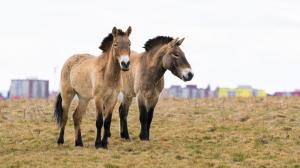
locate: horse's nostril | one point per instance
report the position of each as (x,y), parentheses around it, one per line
(190,75)
(124,64)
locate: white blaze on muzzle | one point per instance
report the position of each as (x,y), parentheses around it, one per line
(124,60)
(187,74)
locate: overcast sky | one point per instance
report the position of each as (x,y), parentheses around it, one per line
(227,43)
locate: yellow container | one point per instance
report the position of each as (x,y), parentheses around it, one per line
(261,93)
(243,92)
(223,92)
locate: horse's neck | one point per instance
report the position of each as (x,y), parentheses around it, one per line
(112,68)
(153,66)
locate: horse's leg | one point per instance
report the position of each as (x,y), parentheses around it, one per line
(150,111)
(123,112)
(106,135)
(99,121)
(143,119)
(108,110)
(77,117)
(67,98)
(150,116)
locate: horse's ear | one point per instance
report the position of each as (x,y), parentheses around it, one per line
(179,42)
(173,42)
(128,31)
(114,32)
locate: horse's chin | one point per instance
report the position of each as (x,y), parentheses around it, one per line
(125,69)
(186,79)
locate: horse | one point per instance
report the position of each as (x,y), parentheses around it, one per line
(145,79)
(93,77)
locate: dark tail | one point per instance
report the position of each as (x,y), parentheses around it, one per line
(58,111)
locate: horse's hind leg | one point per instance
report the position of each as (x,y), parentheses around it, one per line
(67,98)
(77,117)
(123,113)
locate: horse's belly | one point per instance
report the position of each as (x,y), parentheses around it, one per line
(82,85)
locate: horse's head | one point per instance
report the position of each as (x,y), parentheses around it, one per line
(121,47)
(175,61)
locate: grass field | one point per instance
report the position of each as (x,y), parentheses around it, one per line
(261,132)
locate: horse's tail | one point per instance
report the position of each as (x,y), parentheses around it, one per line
(58,111)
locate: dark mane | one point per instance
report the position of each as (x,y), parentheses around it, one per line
(159,40)
(108,40)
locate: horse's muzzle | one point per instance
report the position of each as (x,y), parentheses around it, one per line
(125,65)
(187,74)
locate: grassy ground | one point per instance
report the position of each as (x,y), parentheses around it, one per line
(185,133)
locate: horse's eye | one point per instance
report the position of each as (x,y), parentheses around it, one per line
(175,55)
(115,44)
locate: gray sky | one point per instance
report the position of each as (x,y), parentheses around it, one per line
(228,43)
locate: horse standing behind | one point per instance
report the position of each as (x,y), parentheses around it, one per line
(90,77)
(145,79)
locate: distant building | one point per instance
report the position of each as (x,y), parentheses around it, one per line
(296,93)
(282,94)
(240,91)
(208,92)
(222,92)
(287,94)
(243,91)
(259,93)
(190,91)
(29,88)
(174,91)
(1,97)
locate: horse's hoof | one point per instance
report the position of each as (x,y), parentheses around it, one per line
(60,141)
(98,145)
(104,144)
(80,144)
(125,136)
(144,138)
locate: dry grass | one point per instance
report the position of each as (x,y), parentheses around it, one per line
(185,133)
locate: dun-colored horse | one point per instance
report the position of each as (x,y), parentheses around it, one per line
(145,79)
(97,78)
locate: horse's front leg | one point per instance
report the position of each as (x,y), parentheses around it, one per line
(99,121)
(108,110)
(143,119)
(146,107)
(123,113)
(149,120)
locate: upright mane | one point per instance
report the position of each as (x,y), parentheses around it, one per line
(108,40)
(156,41)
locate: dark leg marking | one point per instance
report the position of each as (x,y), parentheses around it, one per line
(123,112)
(61,136)
(78,141)
(106,130)
(150,116)
(99,124)
(143,121)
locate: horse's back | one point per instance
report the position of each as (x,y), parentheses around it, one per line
(75,69)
